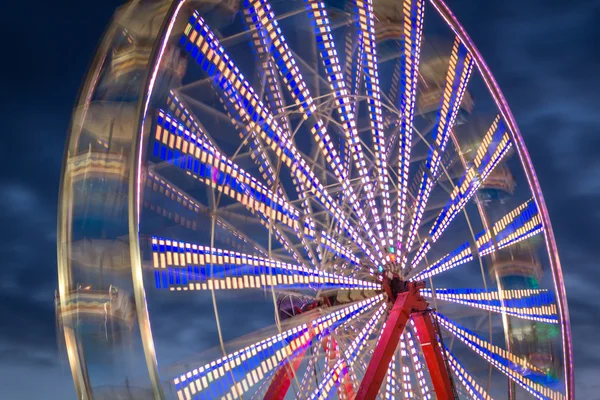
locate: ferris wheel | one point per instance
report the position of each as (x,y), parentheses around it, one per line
(331,198)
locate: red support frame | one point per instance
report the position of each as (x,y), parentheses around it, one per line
(388,341)
(407,304)
(433,355)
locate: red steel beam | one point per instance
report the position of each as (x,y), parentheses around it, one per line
(388,341)
(433,356)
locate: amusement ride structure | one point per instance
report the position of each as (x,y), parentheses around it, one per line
(303,199)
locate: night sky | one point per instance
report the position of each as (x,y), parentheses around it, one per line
(544,55)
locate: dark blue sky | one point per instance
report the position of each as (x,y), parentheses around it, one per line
(544,54)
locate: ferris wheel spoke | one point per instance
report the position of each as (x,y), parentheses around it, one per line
(406,74)
(464,377)
(237,372)
(529,304)
(354,47)
(181,266)
(265,166)
(418,366)
(286,63)
(407,389)
(256,115)
(513,366)
(319,16)
(459,71)
(178,107)
(205,163)
(182,200)
(184,116)
(338,248)
(273,94)
(366,24)
(351,354)
(496,143)
(272,88)
(518,225)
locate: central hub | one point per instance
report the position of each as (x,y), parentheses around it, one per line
(394,286)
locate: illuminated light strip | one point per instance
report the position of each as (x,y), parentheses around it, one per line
(338,248)
(262,18)
(519,224)
(408,67)
(459,71)
(505,362)
(264,165)
(509,218)
(325,42)
(181,112)
(332,350)
(184,116)
(231,180)
(273,91)
(366,25)
(353,78)
(497,142)
(406,382)
(213,59)
(336,373)
(534,305)
(524,225)
(391,380)
(461,255)
(266,354)
(202,161)
(469,182)
(258,153)
(187,266)
(417,365)
(471,386)
(391,117)
(297,87)
(274,97)
(263,356)
(425,246)
(456,84)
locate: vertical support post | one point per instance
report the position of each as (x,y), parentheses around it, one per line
(388,341)
(433,356)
